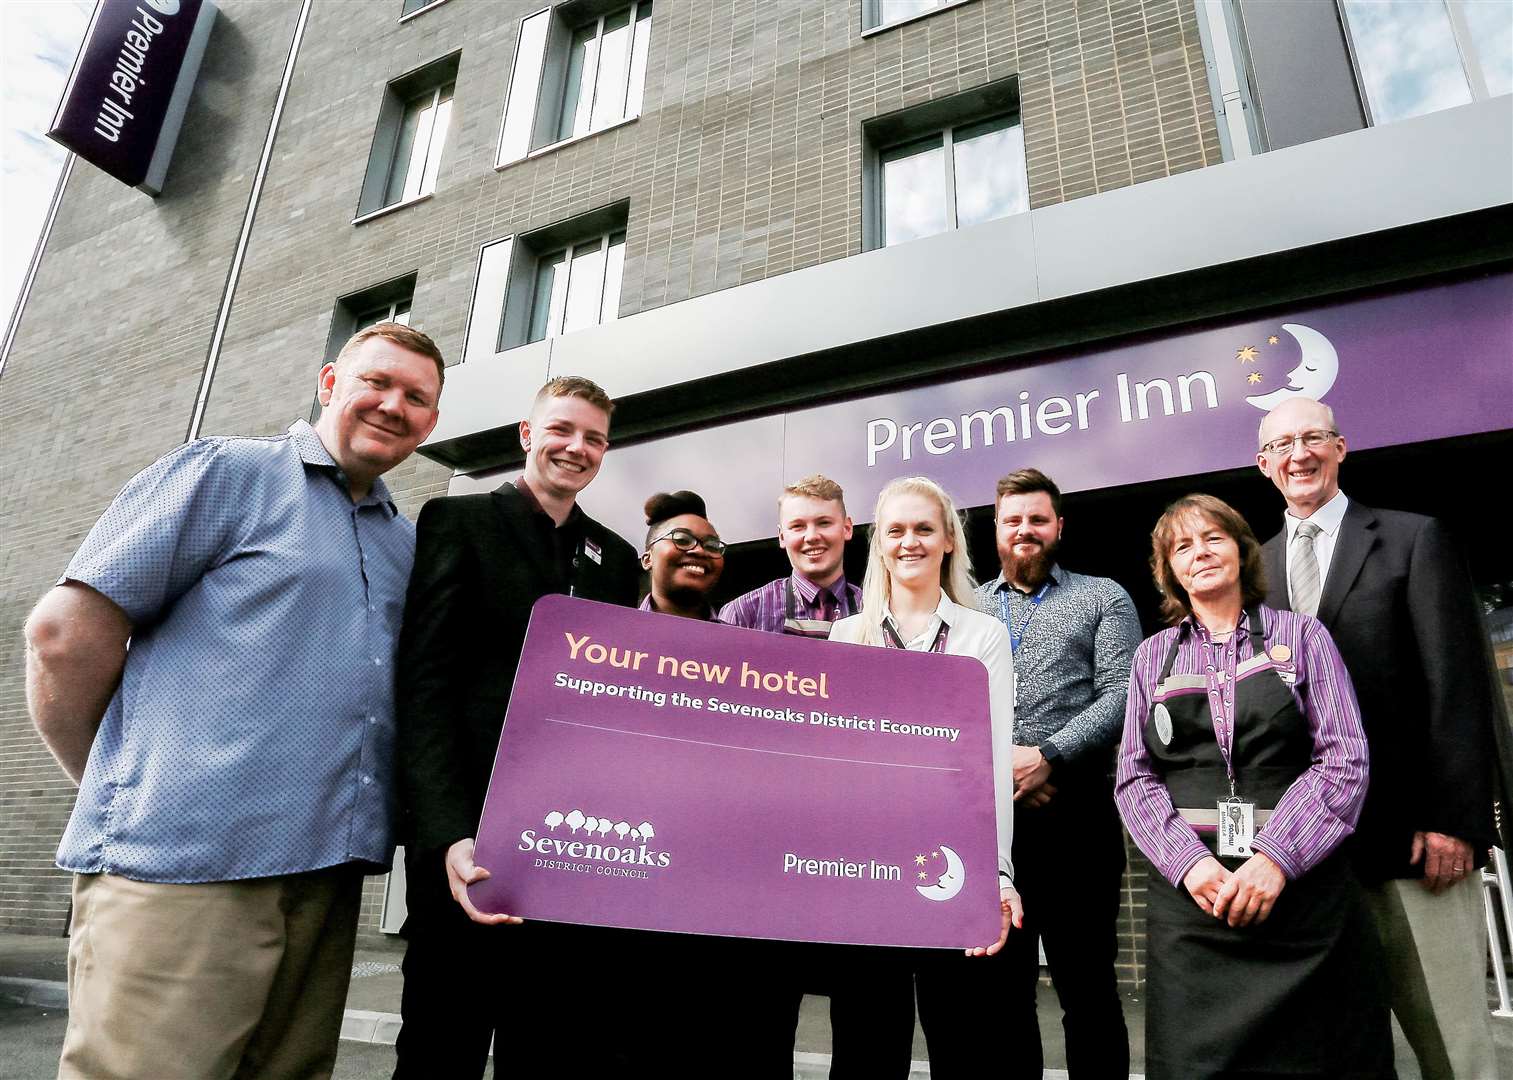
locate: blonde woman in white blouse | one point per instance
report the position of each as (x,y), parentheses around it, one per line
(917,595)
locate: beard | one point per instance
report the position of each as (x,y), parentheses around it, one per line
(1029,570)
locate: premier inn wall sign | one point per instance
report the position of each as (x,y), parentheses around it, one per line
(130,86)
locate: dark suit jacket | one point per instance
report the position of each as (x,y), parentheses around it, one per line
(481,561)
(1400,606)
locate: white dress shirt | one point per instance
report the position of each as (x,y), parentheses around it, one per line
(1328,518)
(982,637)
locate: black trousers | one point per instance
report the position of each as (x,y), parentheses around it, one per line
(871,991)
(1068,861)
(555,999)
(564,1000)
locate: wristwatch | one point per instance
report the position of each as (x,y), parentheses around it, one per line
(1050,753)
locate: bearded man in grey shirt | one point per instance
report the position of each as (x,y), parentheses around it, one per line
(1074,639)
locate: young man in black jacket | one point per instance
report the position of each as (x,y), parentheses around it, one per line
(481,562)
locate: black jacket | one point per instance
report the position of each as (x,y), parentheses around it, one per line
(481,561)
(1400,605)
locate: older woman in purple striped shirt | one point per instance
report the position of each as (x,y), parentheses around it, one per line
(1242,769)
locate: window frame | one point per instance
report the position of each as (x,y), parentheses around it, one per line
(543,57)
(872,15)
(604,243)
(1466,50)
(436,78)
(884,136)
(505,278)
(428,5)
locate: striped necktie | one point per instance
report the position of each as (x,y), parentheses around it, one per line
(1305,569)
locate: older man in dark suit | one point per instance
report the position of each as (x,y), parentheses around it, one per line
(481,562)
(1394,593)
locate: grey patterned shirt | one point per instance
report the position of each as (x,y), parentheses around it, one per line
(1071,661)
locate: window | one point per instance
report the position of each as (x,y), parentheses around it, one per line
(926,174)
(410,136)
(388,301)
(395,311)
(547,283)
(579,68)
(576,287)
(877,14)
(412,6)
(1419,56)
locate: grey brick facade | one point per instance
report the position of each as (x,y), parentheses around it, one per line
(744,164)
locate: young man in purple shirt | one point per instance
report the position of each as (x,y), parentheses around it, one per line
(871,994)
(813,529)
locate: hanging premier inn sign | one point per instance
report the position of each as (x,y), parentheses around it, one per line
(130,86)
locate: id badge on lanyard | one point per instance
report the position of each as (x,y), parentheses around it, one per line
(1237,816)
(1237,826)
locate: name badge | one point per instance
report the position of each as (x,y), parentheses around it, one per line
(1237,827)
(593,551)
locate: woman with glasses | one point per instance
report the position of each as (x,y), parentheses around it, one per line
(684,556)
(724,990)
(917,594)
(1242,769)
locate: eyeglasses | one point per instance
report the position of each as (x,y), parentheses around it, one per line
(684,540)
(1311,439)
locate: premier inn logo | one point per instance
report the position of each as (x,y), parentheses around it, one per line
(585,845)
(115,106)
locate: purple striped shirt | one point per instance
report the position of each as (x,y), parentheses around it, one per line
(1317,811)
(766,608)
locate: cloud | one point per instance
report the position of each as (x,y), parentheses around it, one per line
(38,41)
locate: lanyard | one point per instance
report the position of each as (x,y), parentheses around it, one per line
(1017,636)
(890,632)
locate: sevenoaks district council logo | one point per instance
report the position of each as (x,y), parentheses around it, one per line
(581,843)
(951,879)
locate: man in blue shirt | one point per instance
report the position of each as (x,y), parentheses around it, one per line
(1074,639)
(215,669)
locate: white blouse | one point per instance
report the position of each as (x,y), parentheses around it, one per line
(982,637)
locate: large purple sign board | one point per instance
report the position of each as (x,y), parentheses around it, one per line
(1402,367)
(130,85)
(1405,367)
(669,774)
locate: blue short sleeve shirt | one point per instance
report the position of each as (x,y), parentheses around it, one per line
(253,731)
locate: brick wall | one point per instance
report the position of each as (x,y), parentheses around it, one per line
(745,163)
(102,379)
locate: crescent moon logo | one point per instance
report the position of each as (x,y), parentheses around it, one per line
(950,882)
(1314,375)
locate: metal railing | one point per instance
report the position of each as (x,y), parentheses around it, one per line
(1495,878)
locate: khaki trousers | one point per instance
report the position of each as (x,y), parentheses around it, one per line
(230,979)
(1436,951)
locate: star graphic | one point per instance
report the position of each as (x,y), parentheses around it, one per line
(919,860)
(1253,377)
(1247,355)
(1273,340)
(922,875)
(934,854)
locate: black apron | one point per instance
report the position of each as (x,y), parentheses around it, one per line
(1301,994)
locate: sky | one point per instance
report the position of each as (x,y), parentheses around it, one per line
(38,40)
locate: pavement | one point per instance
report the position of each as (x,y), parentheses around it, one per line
(34,1003)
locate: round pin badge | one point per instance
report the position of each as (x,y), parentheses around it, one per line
(1163,721)
(1281,653)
